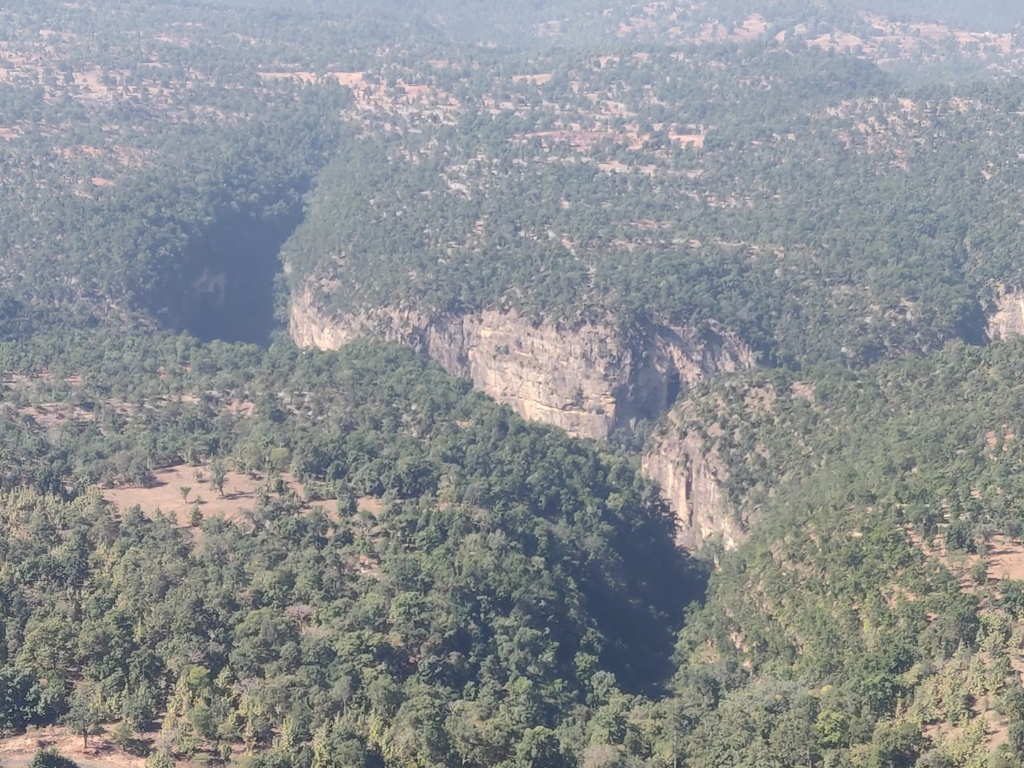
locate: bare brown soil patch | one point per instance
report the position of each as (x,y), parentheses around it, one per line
(575,138)
(18,751)
(1002,44)
(997,731)
(712,32)
(166,496)
(836,40)
(369,504)
(616,167)
(634,25)
(931,31)
(306,77)
(241,407)
(689,139)
(804,390)
(1005,559)
(752,29)
(532,79)
(414,92)
(54,415)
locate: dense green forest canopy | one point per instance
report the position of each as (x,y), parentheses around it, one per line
(511,598)
(800,198)
(878,495)
(421,577)
(508,571)
(768,184)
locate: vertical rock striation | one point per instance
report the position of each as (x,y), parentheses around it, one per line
(691,476)
(1008,317)
(588,380)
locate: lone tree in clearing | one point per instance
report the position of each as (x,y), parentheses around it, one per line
(218,475)
(85,713)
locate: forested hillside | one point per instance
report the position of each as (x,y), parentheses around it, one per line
(509,577)
(793,215)
(791,230)
(476,590)
(766,185)
(882,569)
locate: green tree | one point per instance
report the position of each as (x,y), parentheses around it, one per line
(86,711)
(218,475)
(51,758)
(539,748)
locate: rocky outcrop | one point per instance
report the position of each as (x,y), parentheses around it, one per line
(588,380)
(691,479)
(1007,319)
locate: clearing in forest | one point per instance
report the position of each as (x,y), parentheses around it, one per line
(17,751)
(168,496)
(1005,559)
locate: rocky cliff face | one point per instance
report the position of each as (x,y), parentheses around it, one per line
(588,380)
(1008,318)
(690,477)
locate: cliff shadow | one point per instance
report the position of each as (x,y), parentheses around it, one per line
(221,283)
(644,613)
(228,289)
(973,327)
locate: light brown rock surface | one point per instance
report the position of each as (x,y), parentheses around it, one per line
(691,479)
(588,380)
(1008,318)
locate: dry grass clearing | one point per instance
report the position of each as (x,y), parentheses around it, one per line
(305,77)
(540,79)
(348,78)
(17,751)
(752,29)
(167,496)
(1005,559)
(688,139)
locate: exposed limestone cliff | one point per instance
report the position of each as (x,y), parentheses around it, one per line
(588,380)
(690,477)
(1008,318)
